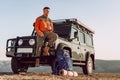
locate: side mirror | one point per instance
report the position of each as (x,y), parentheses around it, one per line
(34,24)
(75,34)
(33,32)
(70,40)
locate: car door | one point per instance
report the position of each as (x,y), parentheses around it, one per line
(82,45)
(75,43)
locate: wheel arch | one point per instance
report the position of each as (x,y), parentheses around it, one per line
(64,46)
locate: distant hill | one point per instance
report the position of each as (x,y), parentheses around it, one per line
(101,66)
(5,66)
(107,66)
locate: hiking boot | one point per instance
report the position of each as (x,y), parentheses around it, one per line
(37,62)
(46,51)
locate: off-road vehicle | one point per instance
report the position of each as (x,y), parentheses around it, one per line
(75,38)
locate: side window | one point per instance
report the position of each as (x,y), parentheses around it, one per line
(88,40)
(73,30)
(81,37)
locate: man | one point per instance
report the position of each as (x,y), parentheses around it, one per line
(44,29)
(63,62)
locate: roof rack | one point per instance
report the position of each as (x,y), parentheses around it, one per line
(75,21)
(83,25)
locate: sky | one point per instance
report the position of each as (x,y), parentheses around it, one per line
(103,16)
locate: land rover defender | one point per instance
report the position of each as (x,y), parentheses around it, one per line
(74,37)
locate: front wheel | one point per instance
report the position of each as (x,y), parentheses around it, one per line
(88,68)
(17,66)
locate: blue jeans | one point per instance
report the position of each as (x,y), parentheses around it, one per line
(63,61)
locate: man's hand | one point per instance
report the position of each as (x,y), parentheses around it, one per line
(42,35)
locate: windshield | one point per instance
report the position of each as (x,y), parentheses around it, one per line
(63,30)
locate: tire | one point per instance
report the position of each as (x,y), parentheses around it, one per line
(88,68)
(18,67)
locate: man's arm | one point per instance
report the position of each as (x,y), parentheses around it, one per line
(51,23)
(38,31)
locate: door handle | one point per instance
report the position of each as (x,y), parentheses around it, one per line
(78,47)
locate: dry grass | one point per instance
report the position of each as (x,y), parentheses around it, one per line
(49,76)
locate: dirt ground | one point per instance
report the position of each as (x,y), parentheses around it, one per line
(49,76)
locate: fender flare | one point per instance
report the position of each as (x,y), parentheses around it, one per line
(64,46)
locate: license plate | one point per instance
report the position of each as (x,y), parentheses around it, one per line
(24,50)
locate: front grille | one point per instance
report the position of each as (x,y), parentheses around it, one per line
(25,42)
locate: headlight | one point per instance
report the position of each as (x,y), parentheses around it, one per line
(9,49)
(20,42)
(31,42)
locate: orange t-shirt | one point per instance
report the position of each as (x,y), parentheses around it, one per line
(43,24)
